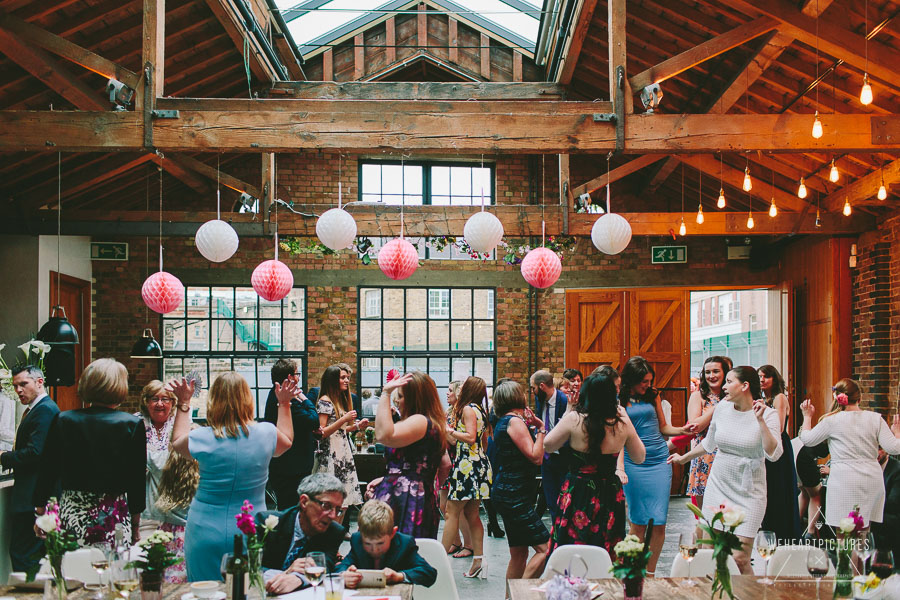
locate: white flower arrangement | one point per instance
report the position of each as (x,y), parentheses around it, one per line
(271,522)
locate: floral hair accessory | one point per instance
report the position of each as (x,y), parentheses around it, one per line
(392,374)
(842,399)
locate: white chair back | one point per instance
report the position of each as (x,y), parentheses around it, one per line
(790,561)
(564,559)
(444,587)
(702,565)
(77,565)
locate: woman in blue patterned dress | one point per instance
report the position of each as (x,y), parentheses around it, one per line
(417,448)
(649,482)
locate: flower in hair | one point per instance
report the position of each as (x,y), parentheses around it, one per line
(392,374)
(842,399)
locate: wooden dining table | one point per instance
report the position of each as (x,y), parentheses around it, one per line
(745,587)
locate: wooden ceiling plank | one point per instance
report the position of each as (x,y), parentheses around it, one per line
(703,52)
(576,42)
(260,66)
(616,174)
(51,72)
(862,192)
(83,180)
(618,52)
(216,175)
(183,174)
(153,58)
(425,90)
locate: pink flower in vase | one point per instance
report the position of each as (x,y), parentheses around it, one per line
(245,521)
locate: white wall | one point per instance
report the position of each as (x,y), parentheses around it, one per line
(74,260)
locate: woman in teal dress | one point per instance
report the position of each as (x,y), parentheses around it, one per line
(234,453)
(649,482)
(591,502)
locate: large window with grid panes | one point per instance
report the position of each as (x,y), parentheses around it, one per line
(230,328)
(426,182)
(449,333)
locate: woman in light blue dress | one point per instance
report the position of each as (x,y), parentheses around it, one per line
(648,483)
(233,452)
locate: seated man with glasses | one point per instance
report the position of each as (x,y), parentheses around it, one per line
(308,527)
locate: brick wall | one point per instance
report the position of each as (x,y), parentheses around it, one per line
(876,293)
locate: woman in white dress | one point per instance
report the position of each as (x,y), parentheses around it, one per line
(854,436)
(745,432)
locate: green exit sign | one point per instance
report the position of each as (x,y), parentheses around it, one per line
(109,250)
(668,254)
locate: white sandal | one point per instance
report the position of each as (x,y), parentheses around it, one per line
(480,572)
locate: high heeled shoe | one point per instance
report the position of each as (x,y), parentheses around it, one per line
(480,572)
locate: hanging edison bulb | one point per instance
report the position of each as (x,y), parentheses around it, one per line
(865,95)
(847,208)
(818,219)
(700,218)
(882,191)
(750,222)
(721,202)
(833,174)
(801,191)
(748,184)
(817,127)
(682,230)
(773,210)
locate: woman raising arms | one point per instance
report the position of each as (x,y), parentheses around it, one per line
(701,407)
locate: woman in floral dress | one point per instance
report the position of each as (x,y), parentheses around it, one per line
(337,418)
(700,412)
(591,500)
(470,479)
(416,450)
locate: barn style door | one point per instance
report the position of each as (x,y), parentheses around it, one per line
(595,329)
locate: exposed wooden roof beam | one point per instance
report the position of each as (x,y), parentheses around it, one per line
(216,175)
(703,52)
(414,90)
(62,47)
(576,42)
(451,127)
(616,174)
(55,75)
(618,52)
(186,176)
(518,221)
(862,191)
(233,22)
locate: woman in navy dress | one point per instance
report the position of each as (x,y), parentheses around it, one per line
(233,452)
(649,482)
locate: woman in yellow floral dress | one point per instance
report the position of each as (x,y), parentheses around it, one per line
(470,480)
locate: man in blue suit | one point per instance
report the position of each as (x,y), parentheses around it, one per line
(550,406)
(25,460)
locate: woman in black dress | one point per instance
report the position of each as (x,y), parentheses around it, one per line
(591,501)
(519,453)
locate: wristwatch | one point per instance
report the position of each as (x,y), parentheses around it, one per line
(185,407)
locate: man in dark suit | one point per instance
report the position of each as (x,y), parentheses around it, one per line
(346,371)
(307,527)
(25,460)
(288,470)
(887,533)
(550,406)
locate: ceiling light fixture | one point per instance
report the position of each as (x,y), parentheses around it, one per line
(773,210)
(721,201)
(700,218)
(865,94)
(748,184)
(882,191)
(817,124)
(750,223)
(833,175)
(847,208)
(801,191)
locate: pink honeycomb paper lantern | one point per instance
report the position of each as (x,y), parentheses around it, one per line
(398,259)
(272,280)
(541,267)
(162,292)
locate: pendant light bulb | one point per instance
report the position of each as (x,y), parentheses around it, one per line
(773,210)
(748,184)
(750,223)
(700,217)
(721,201)
(882,191)
(847,208)
(682,230)
(817,127)
(833,175)
(865,95)
(818,219)
(801,191)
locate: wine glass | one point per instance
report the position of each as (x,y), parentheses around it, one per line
(882,563)
(316,573)
(817,564)
(687,545)
(766,543)
(100,563)
(124,577)
(865,549)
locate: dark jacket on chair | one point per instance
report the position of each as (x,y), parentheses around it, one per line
(279,540)
(403,557)
(25,460)
(96,449)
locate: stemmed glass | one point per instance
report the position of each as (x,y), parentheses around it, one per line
(687,545)
(124,577)
(882,563)
(817,565)
(100,563)
(766,543)
(316,573)
(865,549)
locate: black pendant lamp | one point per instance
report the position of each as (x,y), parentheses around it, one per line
(146,346)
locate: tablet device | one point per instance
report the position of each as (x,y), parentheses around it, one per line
(372,578)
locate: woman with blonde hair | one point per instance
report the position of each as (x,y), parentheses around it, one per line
(233,453)
(416,450)
(98,455)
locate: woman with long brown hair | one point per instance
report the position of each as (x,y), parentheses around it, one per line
(701,407)
(337,418)
(417,448)
(233,452)
(471,476)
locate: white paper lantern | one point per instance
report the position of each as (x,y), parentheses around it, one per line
(336,228)
(483,231)
(216,240)
(611,233)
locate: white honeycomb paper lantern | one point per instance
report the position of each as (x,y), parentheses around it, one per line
(483,231)
(336,228)
(216,240)
(611,233)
